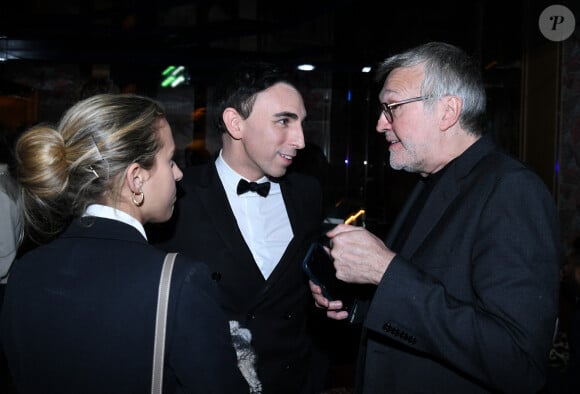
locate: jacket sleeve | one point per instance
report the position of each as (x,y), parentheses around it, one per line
(200,351)
(487,303)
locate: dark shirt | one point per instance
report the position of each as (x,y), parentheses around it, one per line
(429,183)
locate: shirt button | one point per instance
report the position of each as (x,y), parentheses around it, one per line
(251,316)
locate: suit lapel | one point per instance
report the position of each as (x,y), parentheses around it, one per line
(443,194)
(437,203)
(396,227)
(213,196)
(290,201)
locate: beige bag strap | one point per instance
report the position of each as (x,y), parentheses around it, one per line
(159,347)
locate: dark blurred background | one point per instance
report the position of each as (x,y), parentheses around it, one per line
(49,50)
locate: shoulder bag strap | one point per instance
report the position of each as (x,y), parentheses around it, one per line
(162,300)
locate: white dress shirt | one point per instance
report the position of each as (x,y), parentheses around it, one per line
(104,211)
(263,221)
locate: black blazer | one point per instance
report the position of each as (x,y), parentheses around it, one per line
(275,310)
(469,305)
(79,317)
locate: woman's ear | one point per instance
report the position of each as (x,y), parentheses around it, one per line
(231,119)
(134,178)
(451,110)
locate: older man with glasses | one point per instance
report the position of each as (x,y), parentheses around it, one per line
(466,283)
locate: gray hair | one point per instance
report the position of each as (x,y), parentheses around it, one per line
(449,71)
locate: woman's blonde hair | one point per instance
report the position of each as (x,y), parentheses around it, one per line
(83,159)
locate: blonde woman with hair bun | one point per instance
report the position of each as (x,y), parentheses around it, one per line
(79,310)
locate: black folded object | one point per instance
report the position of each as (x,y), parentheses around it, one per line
(319,267)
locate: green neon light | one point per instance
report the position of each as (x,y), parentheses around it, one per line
(168,70)
(167,81)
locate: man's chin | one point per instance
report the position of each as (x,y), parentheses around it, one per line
(395,165)
(279,173)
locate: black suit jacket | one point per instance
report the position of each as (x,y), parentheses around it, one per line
(274,310)
(469,304)
(79,317)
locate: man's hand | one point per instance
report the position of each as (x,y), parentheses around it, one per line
(359,256)
(333,308)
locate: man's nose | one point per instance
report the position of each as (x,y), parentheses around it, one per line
(383,123)
(298,138)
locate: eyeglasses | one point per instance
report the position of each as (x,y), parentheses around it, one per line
(388,108)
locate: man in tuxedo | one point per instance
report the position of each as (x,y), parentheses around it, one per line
(252,222)
(466,284)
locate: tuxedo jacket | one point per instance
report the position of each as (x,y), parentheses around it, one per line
(469,304)
(79,317)
(274,310)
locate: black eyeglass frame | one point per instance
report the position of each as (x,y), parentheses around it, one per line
(388,108)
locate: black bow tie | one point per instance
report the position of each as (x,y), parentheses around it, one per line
(261,188)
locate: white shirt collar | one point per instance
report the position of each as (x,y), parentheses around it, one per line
(263,222)
(104,211)
(230,178)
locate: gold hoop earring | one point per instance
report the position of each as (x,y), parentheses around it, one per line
(137,202)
